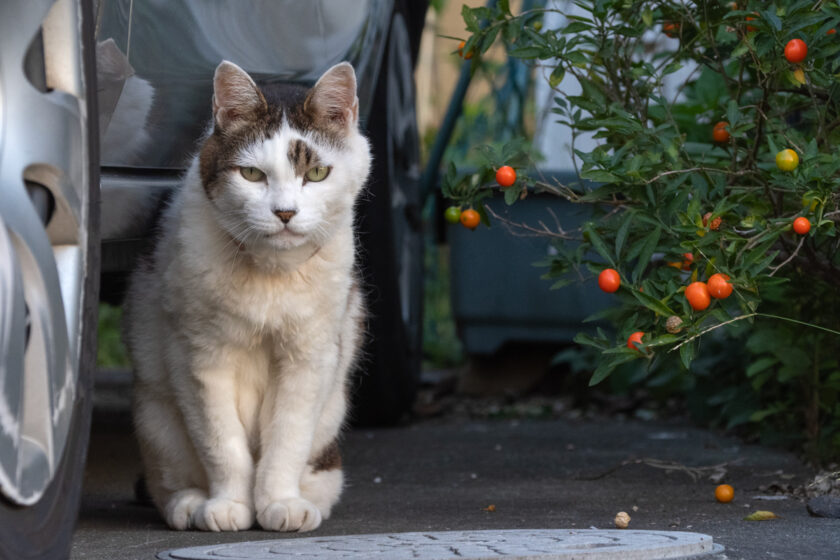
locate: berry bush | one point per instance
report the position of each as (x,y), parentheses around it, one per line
(714,201)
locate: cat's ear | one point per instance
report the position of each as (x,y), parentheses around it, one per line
(332,100)
(235,96)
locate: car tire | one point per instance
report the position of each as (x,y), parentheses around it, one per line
(391,238)
(44,529)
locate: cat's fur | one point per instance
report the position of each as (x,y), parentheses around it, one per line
(242,328)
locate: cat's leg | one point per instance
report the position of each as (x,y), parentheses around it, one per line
(174,476)
(322,487)
(288,421)
(207,397)
(323,478)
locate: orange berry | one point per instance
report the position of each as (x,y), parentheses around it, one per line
(801,225)
(688,259)
(636,337)
(609,280)
(724,493)
(795,51)
(719,286)
(671,29)
(697,294)
(506,176)
(461,46)
(470,218)
(714,225)
(719,132)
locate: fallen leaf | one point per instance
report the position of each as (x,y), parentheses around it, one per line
(761,516)
(491,507)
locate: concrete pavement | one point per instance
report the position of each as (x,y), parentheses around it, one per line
(445,474)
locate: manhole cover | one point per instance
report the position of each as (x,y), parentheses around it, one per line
(553,544)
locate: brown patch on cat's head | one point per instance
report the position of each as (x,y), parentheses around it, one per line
(245,114)
(302,157)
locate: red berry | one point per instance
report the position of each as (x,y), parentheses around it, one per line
(801,225)
(795,51)
(635,337)
(719,286)
(470,218)
(719,132)
(697,294)
(609,280)
(506,176)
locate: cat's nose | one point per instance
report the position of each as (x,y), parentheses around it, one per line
(285,215)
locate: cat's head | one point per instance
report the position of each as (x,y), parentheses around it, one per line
(283,165)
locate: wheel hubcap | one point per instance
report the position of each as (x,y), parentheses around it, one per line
(43,140)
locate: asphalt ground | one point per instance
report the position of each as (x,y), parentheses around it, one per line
(446,473)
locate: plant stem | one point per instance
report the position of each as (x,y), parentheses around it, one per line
(747,316)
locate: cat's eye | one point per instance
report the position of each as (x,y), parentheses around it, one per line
(318,173)
(252,174)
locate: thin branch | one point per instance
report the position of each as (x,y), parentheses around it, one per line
(775,269)
(693,169)
(747,316)
(512,227)
(710,329)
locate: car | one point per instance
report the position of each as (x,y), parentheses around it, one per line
(102,103)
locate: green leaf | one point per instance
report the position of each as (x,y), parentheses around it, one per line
(687,353)
(563,282)
(671,68)
(760,365)
(556,76)
(511,194)
(576,27)
(621,235)
(662,340)
(469,18)
(733,113)
(504,6)
(527,52)
(587,340)
(598,244)
(606,366)
(600,176)
(489,38)
(649,246)
(772,19)
(652,303)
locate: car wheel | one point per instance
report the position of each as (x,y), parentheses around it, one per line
(391,235)
(49,269)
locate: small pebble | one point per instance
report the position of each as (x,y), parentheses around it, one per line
(622,520)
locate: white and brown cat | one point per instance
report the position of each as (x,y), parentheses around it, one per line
(245,323)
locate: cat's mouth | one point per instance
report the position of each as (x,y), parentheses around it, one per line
(285,233)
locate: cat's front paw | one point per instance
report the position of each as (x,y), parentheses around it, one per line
(220,514)
(290,514)
(181,508)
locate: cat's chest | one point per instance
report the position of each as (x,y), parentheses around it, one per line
(281,302)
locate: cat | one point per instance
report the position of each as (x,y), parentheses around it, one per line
(244,324)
